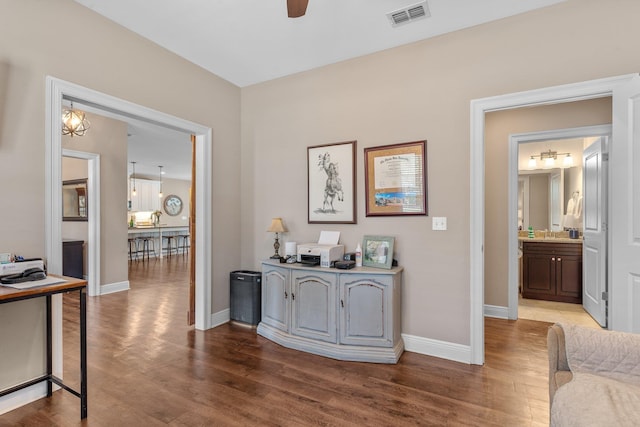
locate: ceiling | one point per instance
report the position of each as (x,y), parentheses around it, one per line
(252,41)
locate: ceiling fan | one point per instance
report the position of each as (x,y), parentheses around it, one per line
(297,8)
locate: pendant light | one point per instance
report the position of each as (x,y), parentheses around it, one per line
(160,193)
(74,122)
(133,193)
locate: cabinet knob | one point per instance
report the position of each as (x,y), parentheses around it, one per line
(293,296)
(553,259)
(342,303)
(286,295)
(559,259)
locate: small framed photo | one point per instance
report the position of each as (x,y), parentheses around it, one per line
(331,195)
(396,179)
(377,251)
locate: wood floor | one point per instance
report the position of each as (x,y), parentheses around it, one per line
(147,368)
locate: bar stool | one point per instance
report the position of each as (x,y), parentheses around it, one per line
(133,243)
(183,243)
(171,244)
(148,245)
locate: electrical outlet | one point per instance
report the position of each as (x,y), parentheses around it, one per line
(439,223)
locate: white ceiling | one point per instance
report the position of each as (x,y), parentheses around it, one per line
(252,41)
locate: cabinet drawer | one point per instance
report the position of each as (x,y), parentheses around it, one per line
(552,248)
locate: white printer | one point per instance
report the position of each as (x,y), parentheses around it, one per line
(324,253)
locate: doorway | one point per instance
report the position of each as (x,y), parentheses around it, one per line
(559,194)
(624,91)
(57,90)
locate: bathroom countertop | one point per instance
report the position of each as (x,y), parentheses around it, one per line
(550,240)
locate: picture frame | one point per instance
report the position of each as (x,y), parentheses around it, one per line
(331,180)
(377,251)
(396,179)
(74,200)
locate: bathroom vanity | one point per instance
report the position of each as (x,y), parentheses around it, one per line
(552,269)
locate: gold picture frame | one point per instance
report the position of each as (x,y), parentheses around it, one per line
(396,179)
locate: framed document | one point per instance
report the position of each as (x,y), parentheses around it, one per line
(396,179)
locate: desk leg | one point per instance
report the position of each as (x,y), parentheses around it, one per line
(83,354)
(49,347)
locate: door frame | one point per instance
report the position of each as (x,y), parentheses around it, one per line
(57,90)
(478,108)
(93,225)
(512,215)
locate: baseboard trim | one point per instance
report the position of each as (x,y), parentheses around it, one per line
(220,318)
(114,287)
(496,311)
(436,348)
(23,397)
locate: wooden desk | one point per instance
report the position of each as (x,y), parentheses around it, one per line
(8,294)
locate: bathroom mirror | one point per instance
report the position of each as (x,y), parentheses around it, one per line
(74,200)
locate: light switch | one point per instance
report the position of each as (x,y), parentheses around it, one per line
(439,223)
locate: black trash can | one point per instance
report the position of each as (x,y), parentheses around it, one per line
(245,299)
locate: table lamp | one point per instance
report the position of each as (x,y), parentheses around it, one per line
(277,227)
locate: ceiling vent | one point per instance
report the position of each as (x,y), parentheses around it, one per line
(409,14)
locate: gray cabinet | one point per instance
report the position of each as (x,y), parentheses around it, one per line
(365,301)
(276,292)
(313,305)
(343,314)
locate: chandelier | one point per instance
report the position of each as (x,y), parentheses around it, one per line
(74,122)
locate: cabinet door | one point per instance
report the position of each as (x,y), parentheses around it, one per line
(313,305)
(275,297)
(366,310)
(569,277)
(538,276)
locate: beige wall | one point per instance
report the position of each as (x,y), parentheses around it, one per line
(108,138)
(498,126)
(107,58)
(418,91)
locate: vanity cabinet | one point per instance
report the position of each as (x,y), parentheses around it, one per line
(342,314)
(552,271)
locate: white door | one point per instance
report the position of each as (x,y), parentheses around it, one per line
(594,247)
(624,284)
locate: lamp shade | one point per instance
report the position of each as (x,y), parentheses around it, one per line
(277,226)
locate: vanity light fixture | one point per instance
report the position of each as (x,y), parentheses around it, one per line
(568,160)
(549,157)
(160,193)
(74,122)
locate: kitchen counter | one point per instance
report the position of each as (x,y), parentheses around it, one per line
(550,240)
(163,228)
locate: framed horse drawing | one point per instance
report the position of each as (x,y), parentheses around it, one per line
(331,177)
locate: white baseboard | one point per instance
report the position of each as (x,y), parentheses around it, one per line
(114,287)
(496,311)
(22,397)
(220,317)
(441,349)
